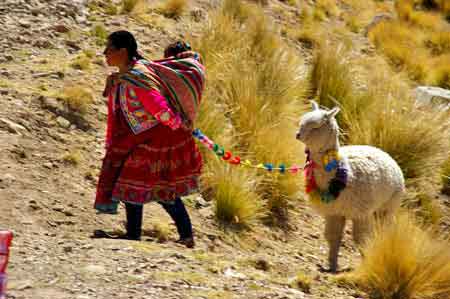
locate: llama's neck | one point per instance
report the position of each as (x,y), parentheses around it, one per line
(317,156)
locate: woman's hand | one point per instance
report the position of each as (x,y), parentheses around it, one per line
(111,80)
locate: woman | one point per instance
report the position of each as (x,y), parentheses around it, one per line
(150,154)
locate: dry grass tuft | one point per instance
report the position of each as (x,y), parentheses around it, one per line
(72,157)
(100,34)
(81,62)
(129,5)
(173,8)
(404,260)
(236,202)
(302,282)
(77,98)
(446,176)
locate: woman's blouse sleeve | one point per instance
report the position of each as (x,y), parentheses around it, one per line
(156,104)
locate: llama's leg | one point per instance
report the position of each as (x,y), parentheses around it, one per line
(387,212)
(362,227)
(334,228)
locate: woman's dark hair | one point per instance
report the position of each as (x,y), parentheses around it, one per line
(125,40)
(176,48)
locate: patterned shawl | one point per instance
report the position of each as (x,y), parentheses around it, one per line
(180,80)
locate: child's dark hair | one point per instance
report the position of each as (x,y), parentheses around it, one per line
(176,48)
(125,40)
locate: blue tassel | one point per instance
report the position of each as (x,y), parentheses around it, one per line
(196,133)
(268,166)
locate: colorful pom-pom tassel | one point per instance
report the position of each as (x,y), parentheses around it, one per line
(268,166)
(236,160)
(227,155)
(294,169)
(220,152)
(282,168)
(196,133)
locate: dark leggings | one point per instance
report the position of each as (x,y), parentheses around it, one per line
(176,210)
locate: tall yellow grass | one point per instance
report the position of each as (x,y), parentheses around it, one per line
(77,98)
(254,78)
(174,8)
(445,176)
(404,260)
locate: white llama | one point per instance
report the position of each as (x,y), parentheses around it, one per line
(350,182)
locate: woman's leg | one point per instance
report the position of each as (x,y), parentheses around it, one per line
(134,221)
(180,216)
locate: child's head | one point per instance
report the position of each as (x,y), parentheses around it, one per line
(176,48)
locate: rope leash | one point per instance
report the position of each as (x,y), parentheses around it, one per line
(227,156)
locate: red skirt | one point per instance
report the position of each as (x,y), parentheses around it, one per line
(159,164)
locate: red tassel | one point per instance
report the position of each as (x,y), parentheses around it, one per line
(226,156)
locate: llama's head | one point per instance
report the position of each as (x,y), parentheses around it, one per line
(318,128)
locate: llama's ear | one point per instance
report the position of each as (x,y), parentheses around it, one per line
(314,105)
(333,112)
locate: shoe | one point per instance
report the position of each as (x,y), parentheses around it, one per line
(101,234)
(188,242)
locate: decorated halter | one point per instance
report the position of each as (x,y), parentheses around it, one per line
(331,160)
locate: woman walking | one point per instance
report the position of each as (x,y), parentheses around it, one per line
(150,152)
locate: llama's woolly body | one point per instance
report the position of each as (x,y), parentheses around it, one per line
(375,182)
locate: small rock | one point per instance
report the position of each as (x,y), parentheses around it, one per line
(64,123)
(262,264)
(52,104)
(87,246)
(12,127)
(73,45)
(435,96)
(24,24)
(7,178)
(58,208)
(200,202)
(95,269)
(61,28)
(44,44)
(178,256)
(48,165)
(68,213)
(233,274)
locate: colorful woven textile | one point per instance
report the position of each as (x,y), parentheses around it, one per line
(180,80)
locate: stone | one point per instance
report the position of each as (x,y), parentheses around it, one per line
(43,43)
(7,178)
(24,24)
(62,122)
(95,269)
(61,28)
(73,44)
(48,165)
(233,274)
(12,127)
(435,97)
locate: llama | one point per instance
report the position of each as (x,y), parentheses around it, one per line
(353,182)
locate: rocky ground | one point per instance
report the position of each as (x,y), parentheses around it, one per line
(50,156)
